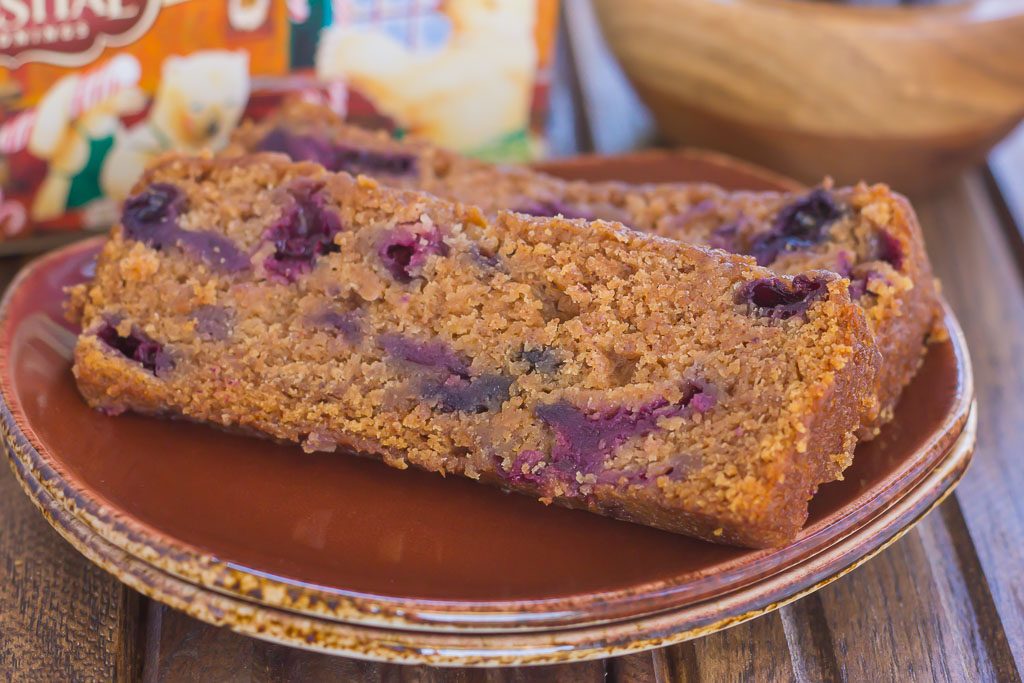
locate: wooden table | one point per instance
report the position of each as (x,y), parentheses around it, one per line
(944,603)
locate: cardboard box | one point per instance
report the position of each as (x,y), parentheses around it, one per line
(91,92)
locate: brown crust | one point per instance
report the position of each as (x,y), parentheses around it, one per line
(817,408)
(902,338)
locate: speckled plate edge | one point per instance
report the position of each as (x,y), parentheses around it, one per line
(515,649)
(191,565)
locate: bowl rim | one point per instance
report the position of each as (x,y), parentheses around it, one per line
(964,10)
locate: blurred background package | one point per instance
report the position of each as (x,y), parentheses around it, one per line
(91,92)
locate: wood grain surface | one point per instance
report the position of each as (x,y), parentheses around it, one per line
(945,603)
(811,89)
(61,617)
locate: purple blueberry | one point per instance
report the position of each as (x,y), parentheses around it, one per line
(298,147)
(468,395)
(356,160)
(430,354)
(858,288)
(702,401)
(212,322)
(215,249)
(584,441)
(859,285)
(799,225)
(522,468)
(349,324)
(305,231)
(844,263)
(404,252)
(549,208)
(889,249)
(446,377)
(334,157)
(158,204)
(781,299)
(152,215)
(485,261)
(137,346)
(724,237)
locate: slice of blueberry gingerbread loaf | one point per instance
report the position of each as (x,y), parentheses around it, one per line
(581,363)
(865,233)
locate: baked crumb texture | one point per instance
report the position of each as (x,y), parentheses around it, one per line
(581,363)
(867,234)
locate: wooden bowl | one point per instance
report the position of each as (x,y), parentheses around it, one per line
(910,96)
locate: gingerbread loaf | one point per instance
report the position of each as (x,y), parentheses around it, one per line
(581,363)
(865,233)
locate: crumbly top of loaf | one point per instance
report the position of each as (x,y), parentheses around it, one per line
(630,321)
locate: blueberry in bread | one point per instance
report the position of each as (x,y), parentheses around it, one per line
(581,363)
(867,234)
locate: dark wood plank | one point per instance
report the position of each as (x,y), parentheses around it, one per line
(754,651)
(985,287)
(809,638)
(642,667)
(61,617)
(179,648)
(906,616)
(987,634)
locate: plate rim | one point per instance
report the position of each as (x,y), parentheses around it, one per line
(202,569)
(587,642)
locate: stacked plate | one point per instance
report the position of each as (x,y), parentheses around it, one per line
(341,554)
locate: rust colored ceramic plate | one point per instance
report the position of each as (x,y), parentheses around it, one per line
(345,554)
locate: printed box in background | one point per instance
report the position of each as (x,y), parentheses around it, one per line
(91,92)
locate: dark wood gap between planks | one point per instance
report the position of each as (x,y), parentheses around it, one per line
(993,636)
(132,610)
(810,641)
